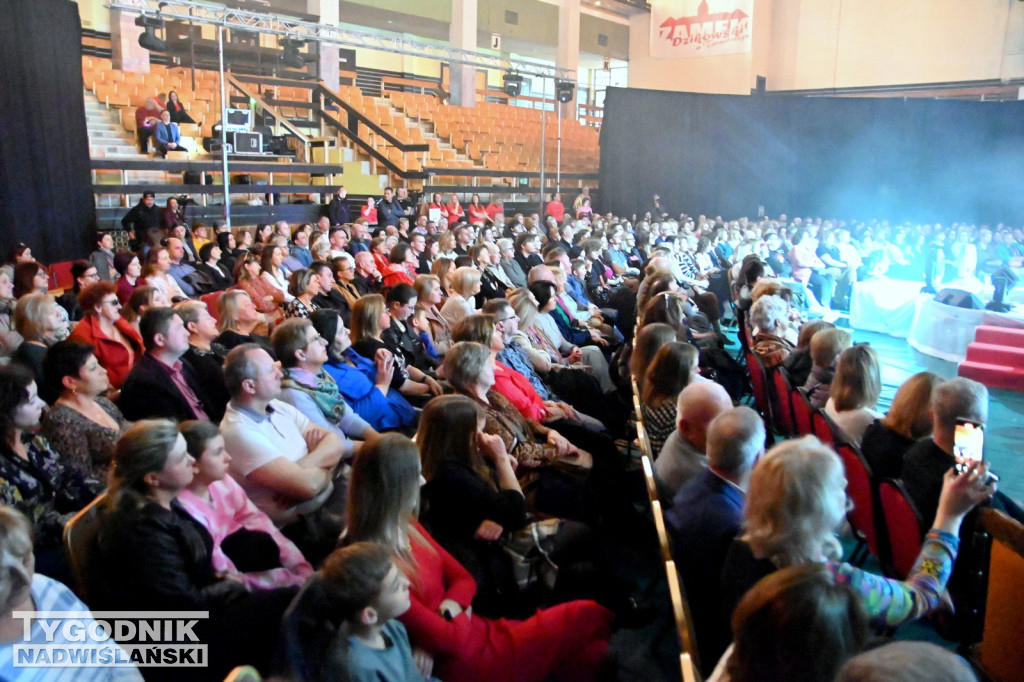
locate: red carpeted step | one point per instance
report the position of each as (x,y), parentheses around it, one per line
(996,354)
(994,376)
(1004,336)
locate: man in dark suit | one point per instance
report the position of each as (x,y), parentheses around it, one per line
(368,277)
(706,515)
(161,384)
(338,210)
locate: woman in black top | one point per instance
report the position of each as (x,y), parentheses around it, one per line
(210,265)
(151,555)
(886,440)
(369,318)
(400,336)
(177,109)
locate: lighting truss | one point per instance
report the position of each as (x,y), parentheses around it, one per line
(272,24)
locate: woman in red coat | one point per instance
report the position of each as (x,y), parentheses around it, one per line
(117,345)
(568,641)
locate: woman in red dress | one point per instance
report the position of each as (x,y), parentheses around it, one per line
(568,641)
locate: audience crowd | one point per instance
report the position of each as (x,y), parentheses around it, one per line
(241,407)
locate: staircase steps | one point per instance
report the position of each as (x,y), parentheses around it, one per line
(995,358)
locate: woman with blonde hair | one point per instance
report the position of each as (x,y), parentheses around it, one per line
(370,317)
(769,321)
(908,420)
(9,339)
(465,284)
(238,321)
(796,500)
(854,392)
(428,297)
(442,269)
(42,323)
(446,247)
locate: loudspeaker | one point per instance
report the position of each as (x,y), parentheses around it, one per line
(247,143)
(958,298)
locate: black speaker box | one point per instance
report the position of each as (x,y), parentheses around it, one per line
(959,298)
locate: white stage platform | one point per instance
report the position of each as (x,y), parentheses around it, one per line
(898,308)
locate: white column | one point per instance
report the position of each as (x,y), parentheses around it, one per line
(567,55)
(462,36)
(327,10)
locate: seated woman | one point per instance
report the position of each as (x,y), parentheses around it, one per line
(854,392)
(648,341)
(401,266)
(267,298)
(674,367)
(246,544)
(908,420)
(428,297)
(303,285)
(799,622)
(798,363)
(213,266)
(567,641)
(178,113)
(130,270)
(42,323)
(23,589)
(238,319)
(116,344)
(151,555)
(465,285)
(369,318)
(271,271)
(472,497)
(365,383)
(155,274)
(142,299)
(9,339)
(82,425)
(769,320)
(796,500)
(33,476)
(401,336)
(825,349)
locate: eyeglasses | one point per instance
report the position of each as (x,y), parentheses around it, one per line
(116,303)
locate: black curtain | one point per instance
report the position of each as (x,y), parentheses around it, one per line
(854,158)
(45,184)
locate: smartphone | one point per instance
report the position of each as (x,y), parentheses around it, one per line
(969,440)
(969,445)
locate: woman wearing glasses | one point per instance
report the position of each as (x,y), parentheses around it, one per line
(117,345)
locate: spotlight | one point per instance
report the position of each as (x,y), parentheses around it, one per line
(513,84)
(564,91)
(148,40)
(1003,280)
(291,56)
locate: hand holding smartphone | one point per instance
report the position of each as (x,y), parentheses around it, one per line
(969,445)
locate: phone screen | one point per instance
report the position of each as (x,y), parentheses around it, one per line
(969,440)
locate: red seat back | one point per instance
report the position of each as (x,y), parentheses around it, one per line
(212,300)
(823,428)
(782,403)
(759,385)
(803,413)
(902,526)
(861,492)
(60,275)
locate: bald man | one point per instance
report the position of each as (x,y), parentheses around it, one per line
(682,457)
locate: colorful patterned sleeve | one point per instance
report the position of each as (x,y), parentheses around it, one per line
(891,602)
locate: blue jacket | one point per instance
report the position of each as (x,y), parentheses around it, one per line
(163,136)
(356,385)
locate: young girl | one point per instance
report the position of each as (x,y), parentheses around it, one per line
(343,626)
(246,544)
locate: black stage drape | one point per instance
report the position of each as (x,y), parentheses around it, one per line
(856,158)
(45,185)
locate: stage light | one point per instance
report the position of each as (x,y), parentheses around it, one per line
(291,56)
(1003,280)
(564,91)
(148,39)
(513,84)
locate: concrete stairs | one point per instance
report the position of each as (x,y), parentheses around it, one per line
(996,357)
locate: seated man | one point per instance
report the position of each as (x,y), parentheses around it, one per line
(310,389)
(282,459)
(166,135)
(682,457)
(705,517)
(146,120)
(162,384)
(205,357)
